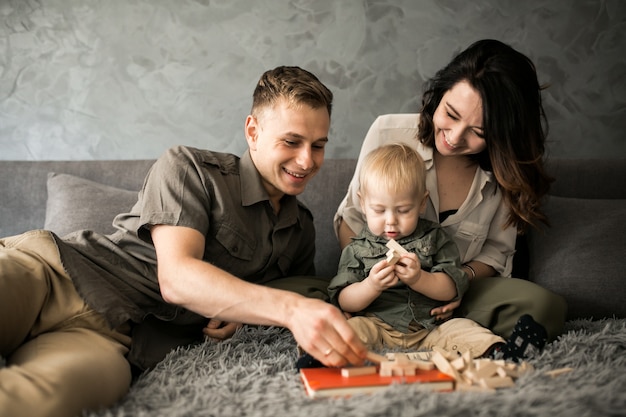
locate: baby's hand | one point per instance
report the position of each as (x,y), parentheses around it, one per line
(408,269)
(382,276)
(220,330)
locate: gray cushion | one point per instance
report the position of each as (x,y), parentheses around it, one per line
(581,256)
(75,203)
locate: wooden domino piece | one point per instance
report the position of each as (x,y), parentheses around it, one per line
(375,357)
(557,372)
(392,257)
(401,365)
(395,252)
(395,246)
(358,370)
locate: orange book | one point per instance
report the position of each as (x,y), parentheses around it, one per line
(328,382)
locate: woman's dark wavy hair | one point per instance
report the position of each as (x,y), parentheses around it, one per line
(514,123)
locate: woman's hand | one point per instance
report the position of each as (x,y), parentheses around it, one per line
(445,312)
(220,330)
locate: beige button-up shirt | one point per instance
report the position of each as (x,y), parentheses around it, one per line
(477,227)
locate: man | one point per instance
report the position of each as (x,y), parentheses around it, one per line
(208,238)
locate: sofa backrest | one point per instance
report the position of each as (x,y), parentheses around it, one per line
(588,178)
(23,186)
(24,195)
(580,257)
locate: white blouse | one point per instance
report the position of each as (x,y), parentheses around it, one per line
(477,227)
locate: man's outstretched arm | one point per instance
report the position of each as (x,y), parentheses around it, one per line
(188,281)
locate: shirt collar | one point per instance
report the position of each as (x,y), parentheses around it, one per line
(427,155)
(253,191)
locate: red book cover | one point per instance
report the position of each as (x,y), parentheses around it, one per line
(328,382)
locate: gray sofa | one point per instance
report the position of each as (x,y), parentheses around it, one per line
(582,256)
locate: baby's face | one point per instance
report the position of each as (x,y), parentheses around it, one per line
(391,215)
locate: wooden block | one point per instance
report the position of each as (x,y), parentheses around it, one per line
(401,358)
(482,362)
(357,370)
(449,356)
(385,371)
(525,367)
(421,360)
(423,365)
(497,382)
(419,355)
(556,372)
(486,370)
(395,246)
(444,366)
(400,366)
(507,371)
(375,357)
(392,257)
(409,371)
(470,377)
(458,363)
(392,368)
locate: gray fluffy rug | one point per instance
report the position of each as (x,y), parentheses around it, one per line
(253,375)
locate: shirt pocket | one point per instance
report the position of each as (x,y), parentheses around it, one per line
(236,243)
(470,238)
(362,261)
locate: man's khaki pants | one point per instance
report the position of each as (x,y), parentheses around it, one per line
(61,357)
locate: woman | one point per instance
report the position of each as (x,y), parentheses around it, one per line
(482,134)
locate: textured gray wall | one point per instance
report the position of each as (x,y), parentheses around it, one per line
(123,79)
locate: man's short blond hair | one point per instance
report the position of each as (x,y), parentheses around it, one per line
(395,167)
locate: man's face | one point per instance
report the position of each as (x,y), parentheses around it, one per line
(287,146)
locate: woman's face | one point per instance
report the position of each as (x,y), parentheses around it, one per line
(458,122)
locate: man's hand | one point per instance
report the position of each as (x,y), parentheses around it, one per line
(323,332)
(220,330)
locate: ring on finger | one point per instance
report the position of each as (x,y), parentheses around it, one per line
(328,351)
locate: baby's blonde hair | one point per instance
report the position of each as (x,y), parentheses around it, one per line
(395,167)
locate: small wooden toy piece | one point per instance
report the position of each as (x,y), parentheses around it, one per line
(398,364)
(421,360)
(401,365)
(444,366)
(358,370)
(392,257)
(478,374)
(496,382)
(395,252)
(557,372)
(481,375)
(375,357)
